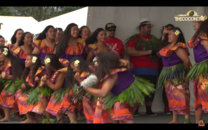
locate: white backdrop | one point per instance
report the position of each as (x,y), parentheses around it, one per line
(12,23)
(126,20)
(78,16)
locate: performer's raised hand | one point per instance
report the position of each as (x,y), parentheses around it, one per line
(43,78)
(23,87)
(149,52)
(37,79)
(3,75)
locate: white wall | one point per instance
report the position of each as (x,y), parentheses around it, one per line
(12,23)
(78,16)
(126,20)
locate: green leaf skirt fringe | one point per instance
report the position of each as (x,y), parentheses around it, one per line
(133,94)
(59,94)
(12,87)
(35,93)
(3,83)
(198,69)
(177,72)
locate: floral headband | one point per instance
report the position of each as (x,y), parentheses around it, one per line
(76,63)
(177,32)
(48,60)
(34,58)
(95,61)
(5,52)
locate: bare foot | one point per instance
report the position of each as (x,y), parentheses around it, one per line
(61,121)
(39,118)
(173,122)
(28,121)
(79,118)
(17,117)
(5,119)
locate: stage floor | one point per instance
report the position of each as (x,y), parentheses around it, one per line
(160,118)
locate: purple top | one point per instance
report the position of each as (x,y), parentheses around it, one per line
(171,61)
(69,57)
(124,80)
(200,53)
(42,56)
(169,56)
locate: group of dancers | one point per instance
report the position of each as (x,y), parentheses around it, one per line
(41,78)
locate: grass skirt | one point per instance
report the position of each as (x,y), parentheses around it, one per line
(56,106)
(24,108)
(135,93)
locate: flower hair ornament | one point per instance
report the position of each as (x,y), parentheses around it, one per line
(5,52)
(48,60)
(34,58)
(76,63)
(177,32)
(95,61)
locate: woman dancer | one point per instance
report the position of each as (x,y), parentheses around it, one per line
(11,70)
(164,40)
(84,33)
(27,102)
(24,48)
(45,42)
(96,44)
(78,70)
(68,47)
(119,91)
(176,65)
(199,71)
(59,32)
(15,39)
(59,100)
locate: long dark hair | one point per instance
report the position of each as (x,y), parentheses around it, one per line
(13,39)
(203,28)
(21,42)
(2,37)
(180,37)
(16,64)
(42,35)
(64,39)
(106,62)
(84,66)
(54,63)
(36,66)
(93,38)
(80,31)
(59,29)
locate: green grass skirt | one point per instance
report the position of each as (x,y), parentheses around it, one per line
(133,94)
(35,93)
(198,69)
(12,87)
(59,94)
(177,72)
(3,83)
